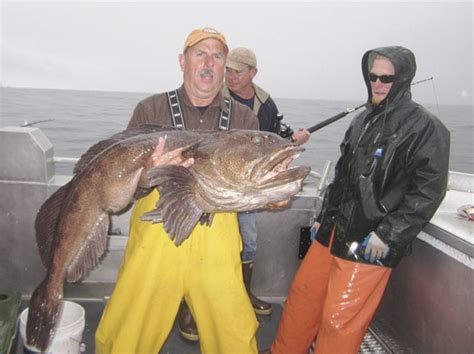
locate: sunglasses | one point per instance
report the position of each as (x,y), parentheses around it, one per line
(386,79)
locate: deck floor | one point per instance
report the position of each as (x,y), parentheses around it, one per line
(175,344)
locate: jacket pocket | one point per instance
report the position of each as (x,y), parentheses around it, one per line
(371,207)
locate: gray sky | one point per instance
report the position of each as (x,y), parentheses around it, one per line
(309,50)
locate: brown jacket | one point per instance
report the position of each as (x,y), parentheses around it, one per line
(155,110)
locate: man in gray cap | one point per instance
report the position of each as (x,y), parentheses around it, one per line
(241,68)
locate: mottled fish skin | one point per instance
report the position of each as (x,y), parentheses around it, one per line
(75,224)
(232,171)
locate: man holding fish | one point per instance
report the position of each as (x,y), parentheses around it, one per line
(205,269)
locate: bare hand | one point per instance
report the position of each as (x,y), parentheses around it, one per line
(278,205)
(301,136)
(173,157)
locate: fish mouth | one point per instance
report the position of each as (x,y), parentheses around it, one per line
(273,170)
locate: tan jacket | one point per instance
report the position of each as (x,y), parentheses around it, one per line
(261,96)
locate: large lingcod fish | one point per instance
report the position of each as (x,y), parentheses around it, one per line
(233,170)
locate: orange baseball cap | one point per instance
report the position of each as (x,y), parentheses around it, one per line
(201,34)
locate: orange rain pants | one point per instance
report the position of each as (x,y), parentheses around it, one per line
(331,298)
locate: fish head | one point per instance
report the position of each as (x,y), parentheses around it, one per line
(249,165)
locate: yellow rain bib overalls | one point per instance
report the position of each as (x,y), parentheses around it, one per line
(156,274)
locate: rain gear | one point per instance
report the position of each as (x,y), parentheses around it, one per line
(331,298)
(156,274)
(205,269)
(390,179)
(392,173)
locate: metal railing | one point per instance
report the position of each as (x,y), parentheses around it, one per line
(65,159)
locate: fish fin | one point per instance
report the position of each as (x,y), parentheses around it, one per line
(154,216)
(141,192)
(206,219)
(102,145)
(90,251)
(44,311)
(46,222)
(177,205)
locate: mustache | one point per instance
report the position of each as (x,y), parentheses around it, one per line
(207,72)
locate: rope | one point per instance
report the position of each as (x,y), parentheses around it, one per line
(434,91)
(436,98)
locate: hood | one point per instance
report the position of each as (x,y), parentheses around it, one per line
(405,68)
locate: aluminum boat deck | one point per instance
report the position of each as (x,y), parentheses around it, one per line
(175,344)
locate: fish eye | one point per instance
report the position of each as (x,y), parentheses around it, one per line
(257,140)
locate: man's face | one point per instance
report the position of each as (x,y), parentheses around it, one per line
(203,68)
(380,90)
(238,80)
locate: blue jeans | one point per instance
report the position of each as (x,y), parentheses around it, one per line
(248,230)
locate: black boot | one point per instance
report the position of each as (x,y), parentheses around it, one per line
(261,307)
(186,324)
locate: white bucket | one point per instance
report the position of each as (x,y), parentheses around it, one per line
(69,330)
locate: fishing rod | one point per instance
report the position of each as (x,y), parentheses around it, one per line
(420,81)
(28,124)
(333,119)
(328,121)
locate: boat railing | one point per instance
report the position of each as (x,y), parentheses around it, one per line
(65,159)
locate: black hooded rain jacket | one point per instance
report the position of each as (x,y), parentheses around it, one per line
(392,173)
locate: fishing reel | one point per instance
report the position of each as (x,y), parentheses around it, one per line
(284,130)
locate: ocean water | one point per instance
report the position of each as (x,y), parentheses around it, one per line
(81,118)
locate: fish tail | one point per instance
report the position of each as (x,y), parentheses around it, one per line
(43,313)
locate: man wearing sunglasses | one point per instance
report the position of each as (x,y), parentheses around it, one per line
(389,181)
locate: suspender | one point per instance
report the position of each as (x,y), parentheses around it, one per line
(177,112)
(224,120)
(175,109)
